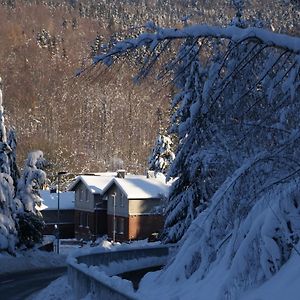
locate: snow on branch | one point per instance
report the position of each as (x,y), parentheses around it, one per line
(235,34)
(237,175)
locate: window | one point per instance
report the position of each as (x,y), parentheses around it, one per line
(81,219)
(84,219)
(120,225)
(82,194)
(87,221)
(122,200)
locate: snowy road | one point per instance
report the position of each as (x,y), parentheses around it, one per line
(20,285)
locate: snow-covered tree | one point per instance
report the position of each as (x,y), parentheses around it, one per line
(8,207)
(162,155)
(4,147)
(12,157)
(241,148)
(8,210)
(20,221)
(186,194)
(33,178)
(2,126)
(202,148)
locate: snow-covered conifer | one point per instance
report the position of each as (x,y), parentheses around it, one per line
(162,155)
(20,221)
(8,207)
(241,150)
(4,147)
(185,196)
(12,157)
(33,178)
(8,210)
(2,126)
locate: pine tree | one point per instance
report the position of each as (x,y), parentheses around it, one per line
(33,178)
(186,195)
(8,205)
(240,149)
(12,157)
(4,147)
(20,222)
(162,155)
(201,128)
(8,210)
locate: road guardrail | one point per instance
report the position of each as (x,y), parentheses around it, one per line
(91,273)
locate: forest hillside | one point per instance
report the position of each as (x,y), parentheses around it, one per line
(98,121)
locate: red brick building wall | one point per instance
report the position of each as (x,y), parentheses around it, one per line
(135,227)
(141,227)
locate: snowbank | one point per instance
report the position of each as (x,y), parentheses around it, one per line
(252,258)
(60,289)
(105,246)
(283,285)
(56,290)
(29,260)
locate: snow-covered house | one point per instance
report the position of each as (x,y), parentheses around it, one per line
(66,213)
(134,206)
(90,207)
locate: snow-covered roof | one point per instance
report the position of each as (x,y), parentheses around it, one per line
(111,174)
(66,200)
(141,187)
(95,183)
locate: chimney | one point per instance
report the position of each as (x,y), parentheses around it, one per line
(150,174)
(121,173)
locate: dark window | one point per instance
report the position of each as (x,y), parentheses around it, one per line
(81,219)
(120,226)
(87,220)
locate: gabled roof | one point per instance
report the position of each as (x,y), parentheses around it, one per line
(66,200)
(95,183)
(140,187)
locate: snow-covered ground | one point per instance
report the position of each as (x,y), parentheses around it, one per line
(36,259)
(29,260)
(284,285)
(60,289)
